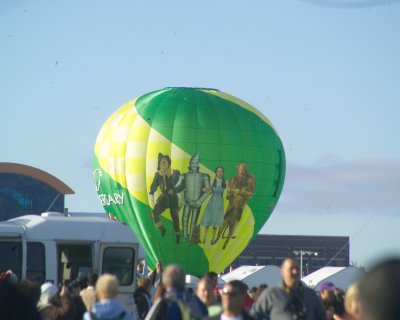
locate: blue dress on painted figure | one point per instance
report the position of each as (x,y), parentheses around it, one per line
(214,213)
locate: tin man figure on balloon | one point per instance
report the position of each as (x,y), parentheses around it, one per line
(196,187)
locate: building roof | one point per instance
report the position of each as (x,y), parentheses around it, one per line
(16,168)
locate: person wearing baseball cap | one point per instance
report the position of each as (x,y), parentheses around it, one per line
(332,302)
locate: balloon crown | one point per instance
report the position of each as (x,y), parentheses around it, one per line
(193,88)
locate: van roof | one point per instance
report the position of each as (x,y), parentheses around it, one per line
(68,228)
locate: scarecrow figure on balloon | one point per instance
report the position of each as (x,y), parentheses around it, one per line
(165,178)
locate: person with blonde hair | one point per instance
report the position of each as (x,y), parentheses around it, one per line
(352,303)
(107,307)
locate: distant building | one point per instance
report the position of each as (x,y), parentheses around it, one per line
(272,249)
(28,190)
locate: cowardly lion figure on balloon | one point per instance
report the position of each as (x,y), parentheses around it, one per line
(240,189)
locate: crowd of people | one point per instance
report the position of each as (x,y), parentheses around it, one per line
(163,295)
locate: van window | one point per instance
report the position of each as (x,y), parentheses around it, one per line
(11,257)
(35,262)
(73,261)
(120,262)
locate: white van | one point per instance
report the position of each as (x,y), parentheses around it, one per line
(53,247)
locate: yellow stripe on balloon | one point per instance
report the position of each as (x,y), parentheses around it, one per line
(111,142)
(117,149)
(243,104)
(221,257)
(117,115)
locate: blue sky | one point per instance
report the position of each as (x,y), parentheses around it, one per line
(326,73)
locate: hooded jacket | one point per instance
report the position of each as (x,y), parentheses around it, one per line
(107,310)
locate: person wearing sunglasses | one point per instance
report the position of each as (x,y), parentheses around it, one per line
(234,295)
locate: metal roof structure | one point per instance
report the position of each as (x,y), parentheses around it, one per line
(35,173)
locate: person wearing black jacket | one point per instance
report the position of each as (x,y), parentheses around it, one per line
(142,297)
(156,275)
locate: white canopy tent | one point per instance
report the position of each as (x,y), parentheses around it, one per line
(253,276)
(341,277)
(192,281)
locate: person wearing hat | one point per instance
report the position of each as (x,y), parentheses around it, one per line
(47,291)
(333,304)
(53,305)
(9,276)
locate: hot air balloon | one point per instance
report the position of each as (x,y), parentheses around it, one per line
(194,172)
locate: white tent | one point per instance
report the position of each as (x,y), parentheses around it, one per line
(191,281)
(253,276)
(341,277)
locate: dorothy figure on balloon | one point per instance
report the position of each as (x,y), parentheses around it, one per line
(214,213)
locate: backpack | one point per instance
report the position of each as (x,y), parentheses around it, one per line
(186,308)
(92,316)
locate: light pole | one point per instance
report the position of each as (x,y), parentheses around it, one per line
(302,253)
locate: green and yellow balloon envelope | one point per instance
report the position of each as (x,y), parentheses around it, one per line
(195,131)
